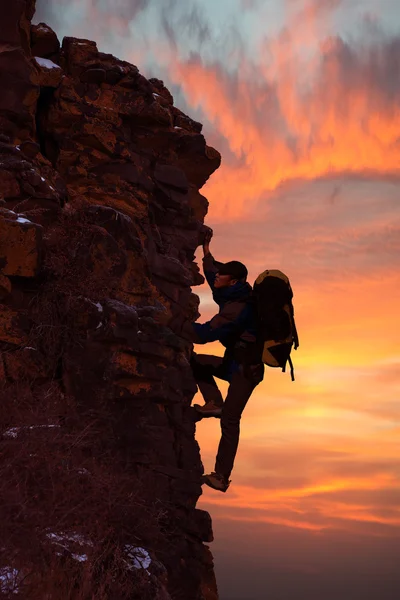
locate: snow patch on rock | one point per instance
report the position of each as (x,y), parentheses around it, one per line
(138,557)
(65,542)
(46,63)
(14,431)
(9,580)
(80,557)
(77,538)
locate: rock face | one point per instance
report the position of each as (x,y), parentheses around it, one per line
(100,216)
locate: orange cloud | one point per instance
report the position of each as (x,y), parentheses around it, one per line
(302,108)
(311,507)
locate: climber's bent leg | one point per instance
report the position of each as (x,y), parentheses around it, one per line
(241,387)
(205,367)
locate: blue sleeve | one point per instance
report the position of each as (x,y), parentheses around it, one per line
(205,333)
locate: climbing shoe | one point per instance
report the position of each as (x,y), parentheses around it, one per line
(209,410)
(216,481)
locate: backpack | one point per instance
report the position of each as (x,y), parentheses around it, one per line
(272,296)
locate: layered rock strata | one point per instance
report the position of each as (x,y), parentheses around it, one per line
(100,217)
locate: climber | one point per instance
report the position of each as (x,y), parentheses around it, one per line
(241,366)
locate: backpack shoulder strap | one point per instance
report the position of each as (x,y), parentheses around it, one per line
(291,368)
(294,329)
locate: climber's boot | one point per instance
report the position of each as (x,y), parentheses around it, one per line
(209,409)
(216,481)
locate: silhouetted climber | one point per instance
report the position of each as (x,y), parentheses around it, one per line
(235,327)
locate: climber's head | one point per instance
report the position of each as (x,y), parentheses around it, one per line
(229,274)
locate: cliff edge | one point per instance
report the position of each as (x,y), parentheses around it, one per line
(100,217)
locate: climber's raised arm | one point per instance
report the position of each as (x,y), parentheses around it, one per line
(206,242)
(210,267)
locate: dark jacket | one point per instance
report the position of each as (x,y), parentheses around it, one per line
(235,320)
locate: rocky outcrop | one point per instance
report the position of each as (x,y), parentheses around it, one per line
(100,216)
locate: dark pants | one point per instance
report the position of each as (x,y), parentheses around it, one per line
(242,383)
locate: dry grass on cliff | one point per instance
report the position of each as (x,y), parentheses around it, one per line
(73,508)
(70,508)
(73,249)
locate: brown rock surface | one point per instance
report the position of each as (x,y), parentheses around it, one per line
(20,246)
(5,286)
(17,74)
(100,217)
(44,41)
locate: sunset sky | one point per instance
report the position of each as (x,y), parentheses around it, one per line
(302,98)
